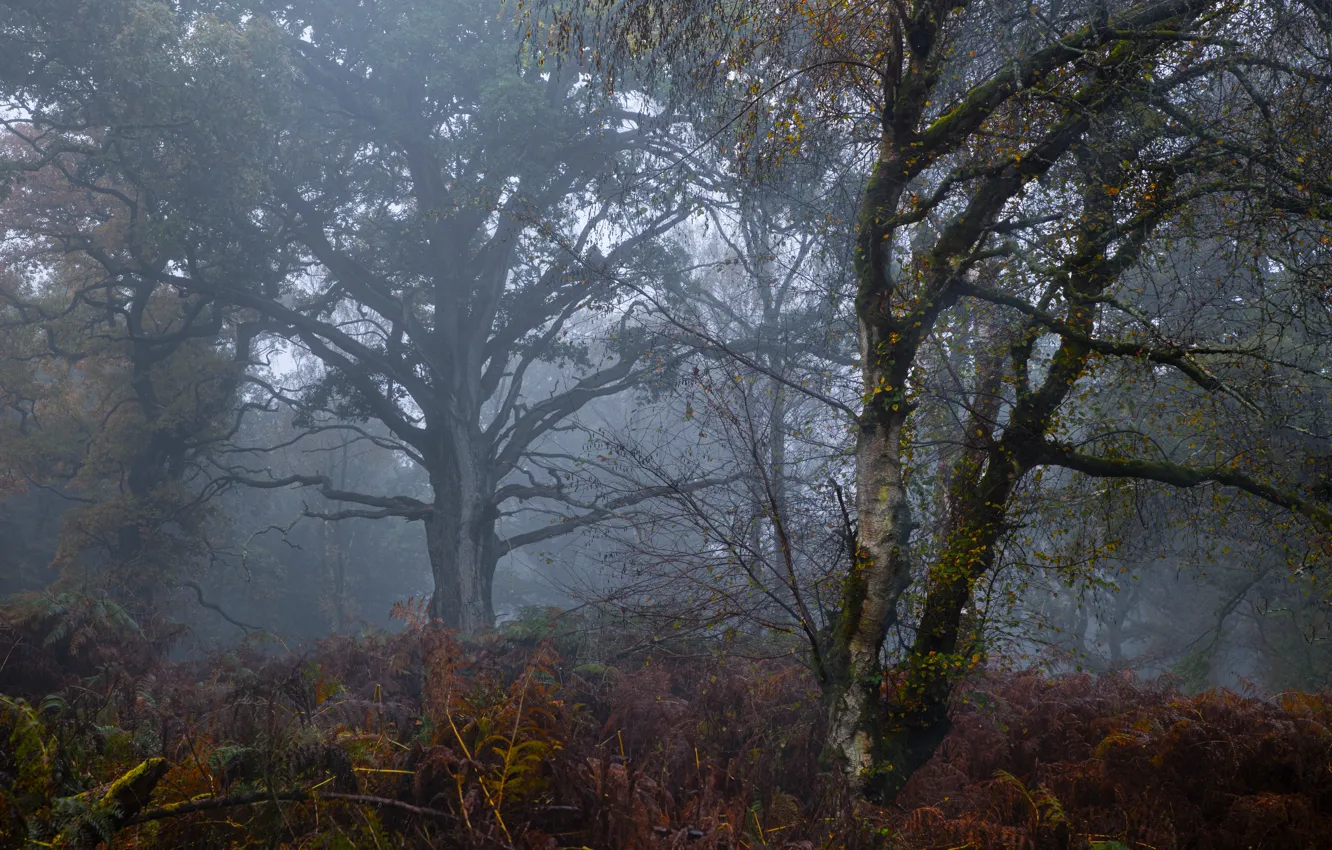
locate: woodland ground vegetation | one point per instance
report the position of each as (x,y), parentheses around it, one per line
(541,735)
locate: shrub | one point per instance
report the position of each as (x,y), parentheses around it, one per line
(419,740)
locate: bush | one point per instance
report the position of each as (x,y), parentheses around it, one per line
(1111,761)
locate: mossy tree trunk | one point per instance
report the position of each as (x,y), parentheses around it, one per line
(885,724)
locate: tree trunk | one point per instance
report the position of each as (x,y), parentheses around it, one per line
(980,488)
(917,700)
(441,527)
(879,574)
(880,569)
(339,555)
(476,559)
(460,539)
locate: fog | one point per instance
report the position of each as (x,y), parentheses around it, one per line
(634,384)
(915,348)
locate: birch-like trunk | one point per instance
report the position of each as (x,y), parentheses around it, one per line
(879,575)
(880,569)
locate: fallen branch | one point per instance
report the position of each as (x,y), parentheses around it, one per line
(295,796)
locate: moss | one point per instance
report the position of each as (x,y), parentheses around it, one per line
(140,774)
(853,598)
(32,751)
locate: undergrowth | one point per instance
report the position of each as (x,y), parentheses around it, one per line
(522,739)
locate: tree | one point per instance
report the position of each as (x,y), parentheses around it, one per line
(116,391)
(1036,175)
(763,403)
(389,189)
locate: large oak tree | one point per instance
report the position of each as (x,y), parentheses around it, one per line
(388,187)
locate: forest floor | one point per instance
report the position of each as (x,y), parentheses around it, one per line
(517,740)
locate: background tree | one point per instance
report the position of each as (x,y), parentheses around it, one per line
(116,393)
(391,190)
(762,405)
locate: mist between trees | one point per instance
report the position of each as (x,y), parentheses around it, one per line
(920,338)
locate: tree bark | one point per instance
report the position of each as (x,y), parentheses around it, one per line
(916,703)
(880,569)
(441,527)
(463,550)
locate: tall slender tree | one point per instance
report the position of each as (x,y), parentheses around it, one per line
(1036,173)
